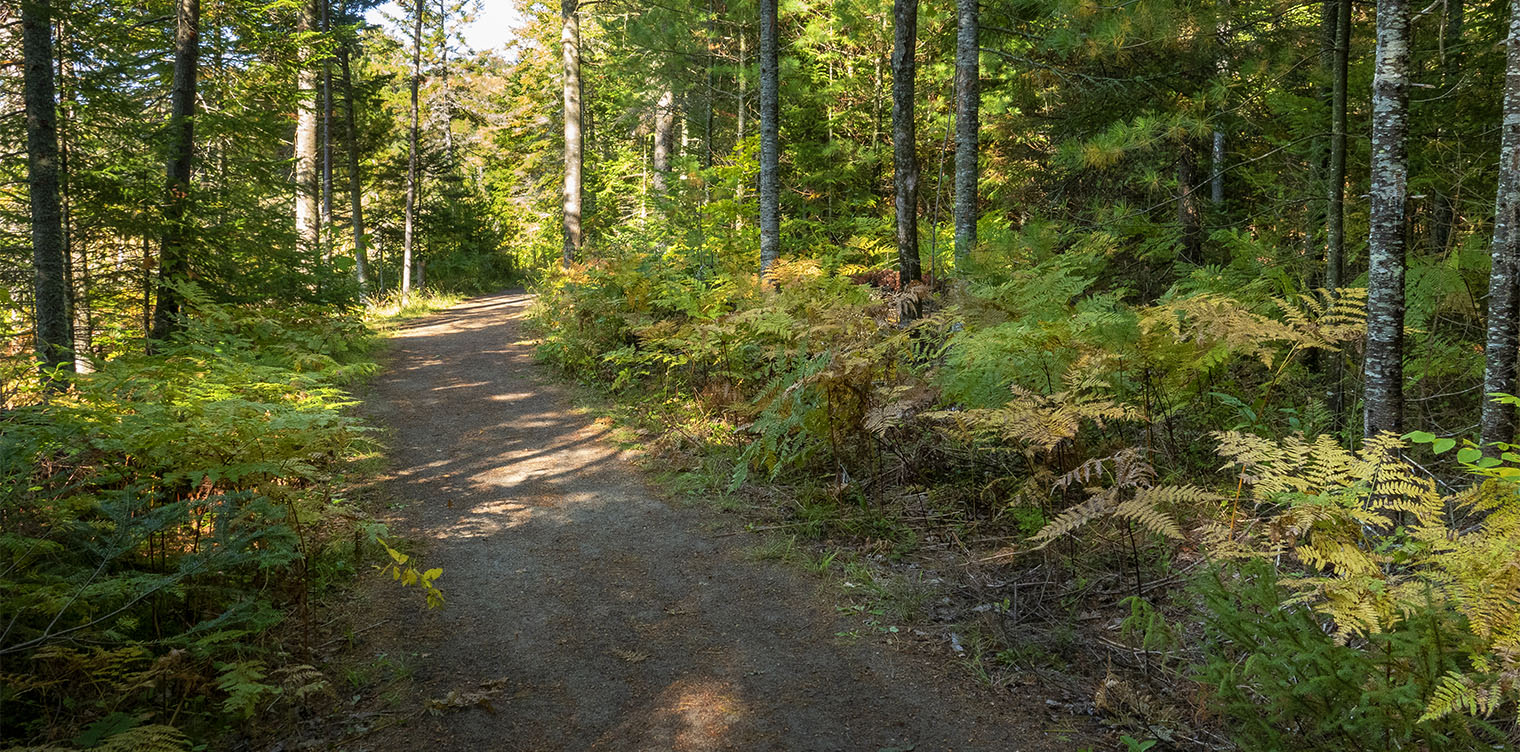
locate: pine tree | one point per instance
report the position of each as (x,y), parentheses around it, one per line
(54,335)
(173,257)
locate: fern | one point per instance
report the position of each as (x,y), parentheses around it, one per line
(1129,494)
(1375,541)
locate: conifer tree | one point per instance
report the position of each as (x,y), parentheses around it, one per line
(174,261)
(905,145)
(54,335)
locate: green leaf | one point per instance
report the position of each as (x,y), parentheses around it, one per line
(1420,437)
(1442,446)
(110,725)
(1468,454)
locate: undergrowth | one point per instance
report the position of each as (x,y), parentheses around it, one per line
(1061,445)
(169,521)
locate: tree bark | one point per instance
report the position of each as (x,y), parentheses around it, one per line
(54,339)
(664,133)
(904,146)
(1189,213)
(355,185)
(1498,422)
(1386,241)
(770,141)
(174,255)
(1335,231)
(327,116)
(570,44)
(743,104)
(307,219)
(1335,183)
(1223,33)
(967,126)
(409,228)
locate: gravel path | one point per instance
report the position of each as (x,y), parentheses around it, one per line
(595,616)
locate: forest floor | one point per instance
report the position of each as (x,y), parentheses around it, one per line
(584,612)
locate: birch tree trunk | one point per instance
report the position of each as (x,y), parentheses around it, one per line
(409,227)
(173,255)
(1386,240)
(355,185)
(307,219)
(770,146)
(967,125)
(570,47)
(1504,280)
(904,146)
(53,337)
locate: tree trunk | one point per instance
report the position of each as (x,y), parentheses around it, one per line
(1335,231)
(327,116)
(904,146)
(1504,279)
(707,130)
(447,94)
(743,104)
(1335,206)
(1189,213)
(307,219)
(355,185)
(1216,177)
(67,104)
(173,255)
(1386,240)
(664,133)
(54,338)
(770,140)
(410,227)
(570,43)
(967,125)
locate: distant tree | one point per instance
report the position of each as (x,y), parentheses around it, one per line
(413,143)
(664,134)
(308,220)
(355,183)
(173,255)
(968,95)
(770,146)
(570,46)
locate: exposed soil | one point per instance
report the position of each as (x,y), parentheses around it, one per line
(584,613)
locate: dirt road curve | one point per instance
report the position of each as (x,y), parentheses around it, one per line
(608,619)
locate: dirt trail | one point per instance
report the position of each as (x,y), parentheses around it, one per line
(614,620)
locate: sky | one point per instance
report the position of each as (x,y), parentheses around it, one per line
(493,26)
